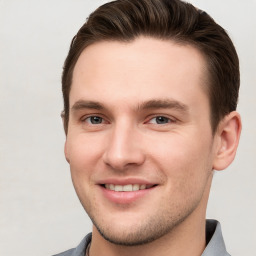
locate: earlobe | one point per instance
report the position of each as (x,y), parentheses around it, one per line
(228,134)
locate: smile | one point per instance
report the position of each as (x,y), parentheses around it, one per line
(127,188)
(126,192)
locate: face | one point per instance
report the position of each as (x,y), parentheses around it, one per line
(139,142)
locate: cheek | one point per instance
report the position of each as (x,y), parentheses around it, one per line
(85,148)
(83,156)
(83,153)
(184,161)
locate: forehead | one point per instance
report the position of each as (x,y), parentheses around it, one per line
(139,70)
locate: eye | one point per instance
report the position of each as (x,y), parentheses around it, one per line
(94,120)
(160,120)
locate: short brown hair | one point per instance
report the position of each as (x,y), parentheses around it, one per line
(181,22)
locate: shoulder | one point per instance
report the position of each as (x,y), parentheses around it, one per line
(80,249)
(66,253)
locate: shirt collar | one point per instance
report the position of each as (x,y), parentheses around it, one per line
(215,242)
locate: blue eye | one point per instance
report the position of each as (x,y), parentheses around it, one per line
(160,120)
(94,120)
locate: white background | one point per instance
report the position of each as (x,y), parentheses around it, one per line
(39,211)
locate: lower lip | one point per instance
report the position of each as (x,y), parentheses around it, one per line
(125,197)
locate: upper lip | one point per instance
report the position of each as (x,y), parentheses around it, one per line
(125,181)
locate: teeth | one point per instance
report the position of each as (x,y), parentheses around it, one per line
(135,187)
(126,188)
(142,186)
(118,188)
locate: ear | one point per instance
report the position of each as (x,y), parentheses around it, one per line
(66,151)
(228,134)
(65,129)
(64,121)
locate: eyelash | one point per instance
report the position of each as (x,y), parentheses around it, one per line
(92,116)
(168,119)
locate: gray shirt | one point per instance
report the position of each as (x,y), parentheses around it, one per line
(215,243)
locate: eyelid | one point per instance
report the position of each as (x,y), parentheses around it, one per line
(84,117)
(171,119)
(148,119)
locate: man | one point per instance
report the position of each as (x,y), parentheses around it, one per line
(150,92)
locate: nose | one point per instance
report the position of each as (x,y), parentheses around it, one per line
(124,148)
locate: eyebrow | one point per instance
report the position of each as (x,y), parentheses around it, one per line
(163,103)
(84,104)
(150,104)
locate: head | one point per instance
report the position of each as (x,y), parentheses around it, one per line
(150,88)
(124,21)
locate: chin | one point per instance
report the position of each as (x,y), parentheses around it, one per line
(138,233)
(128,238)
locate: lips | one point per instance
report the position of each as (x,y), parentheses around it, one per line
(126,191)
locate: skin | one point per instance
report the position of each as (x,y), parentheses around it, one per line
(139,110)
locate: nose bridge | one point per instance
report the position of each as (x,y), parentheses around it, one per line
(123,147)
